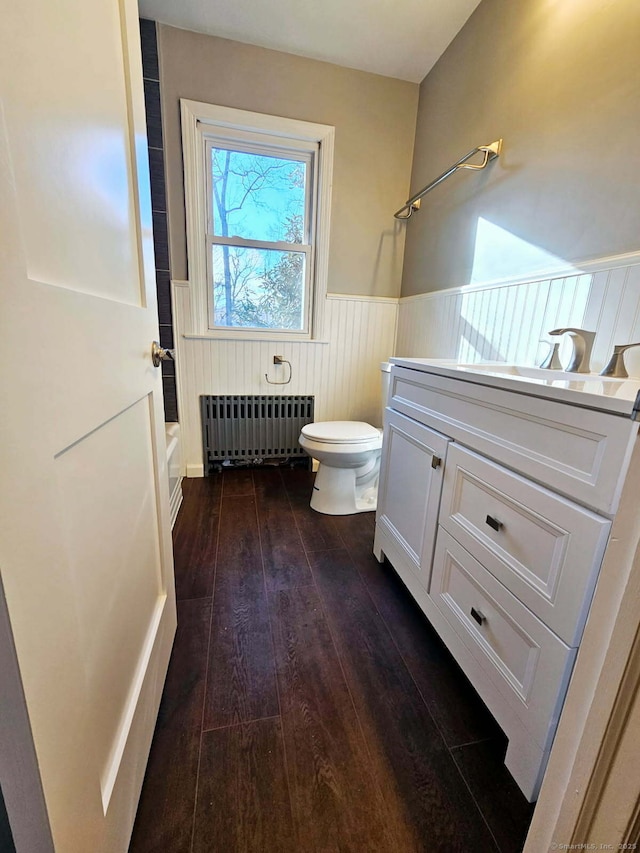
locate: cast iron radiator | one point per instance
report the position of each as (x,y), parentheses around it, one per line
(252,427)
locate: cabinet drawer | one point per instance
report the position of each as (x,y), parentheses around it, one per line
(528,664)
(543,548)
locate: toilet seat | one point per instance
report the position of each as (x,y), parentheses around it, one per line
(341,432)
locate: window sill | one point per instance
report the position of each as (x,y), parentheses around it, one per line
(253,339)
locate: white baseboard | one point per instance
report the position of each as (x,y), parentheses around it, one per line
(195,470)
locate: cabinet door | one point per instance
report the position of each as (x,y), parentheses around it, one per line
(410,486)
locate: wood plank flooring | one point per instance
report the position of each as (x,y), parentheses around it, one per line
(309,706)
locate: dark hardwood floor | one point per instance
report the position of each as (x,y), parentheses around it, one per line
(309,705)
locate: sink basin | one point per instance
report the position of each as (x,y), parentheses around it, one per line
(535,372)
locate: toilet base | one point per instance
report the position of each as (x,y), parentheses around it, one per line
(346,491)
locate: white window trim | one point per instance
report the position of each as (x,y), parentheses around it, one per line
(197,115)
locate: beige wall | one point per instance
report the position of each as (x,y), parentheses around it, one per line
(560,81)
(374,118)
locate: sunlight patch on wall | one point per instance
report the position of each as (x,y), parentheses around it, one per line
(507,322)
(502,256)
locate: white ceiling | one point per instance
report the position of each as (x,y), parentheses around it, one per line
(397,38)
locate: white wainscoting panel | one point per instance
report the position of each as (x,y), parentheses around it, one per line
(507,321)
(342,372)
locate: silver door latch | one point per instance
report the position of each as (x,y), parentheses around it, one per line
(159,354)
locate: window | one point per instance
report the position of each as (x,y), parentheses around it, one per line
(257,193)
(260,217)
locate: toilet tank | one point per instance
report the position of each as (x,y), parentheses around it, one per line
(385,375)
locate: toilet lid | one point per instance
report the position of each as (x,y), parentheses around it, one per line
(340,432)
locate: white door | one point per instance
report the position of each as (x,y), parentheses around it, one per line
(85,547)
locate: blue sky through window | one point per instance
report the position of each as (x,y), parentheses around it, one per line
(257,196)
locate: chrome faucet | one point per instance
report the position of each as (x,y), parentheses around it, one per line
(616,366)
(582,341)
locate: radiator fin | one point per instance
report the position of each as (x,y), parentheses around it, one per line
(247,427)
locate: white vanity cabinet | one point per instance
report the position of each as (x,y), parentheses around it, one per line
(495,507)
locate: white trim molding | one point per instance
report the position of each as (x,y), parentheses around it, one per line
(358,297)
(195,470)
(197,118)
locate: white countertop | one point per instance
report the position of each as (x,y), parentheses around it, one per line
(618,396)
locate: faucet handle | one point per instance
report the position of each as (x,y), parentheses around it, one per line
(616,366)
(552,359)
(582,340)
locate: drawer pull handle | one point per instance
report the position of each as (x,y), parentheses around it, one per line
(493,522)
(436,461)
(479,617)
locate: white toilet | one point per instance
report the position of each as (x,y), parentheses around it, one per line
(349,457)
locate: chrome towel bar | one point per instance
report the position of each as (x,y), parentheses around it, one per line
(490,153)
